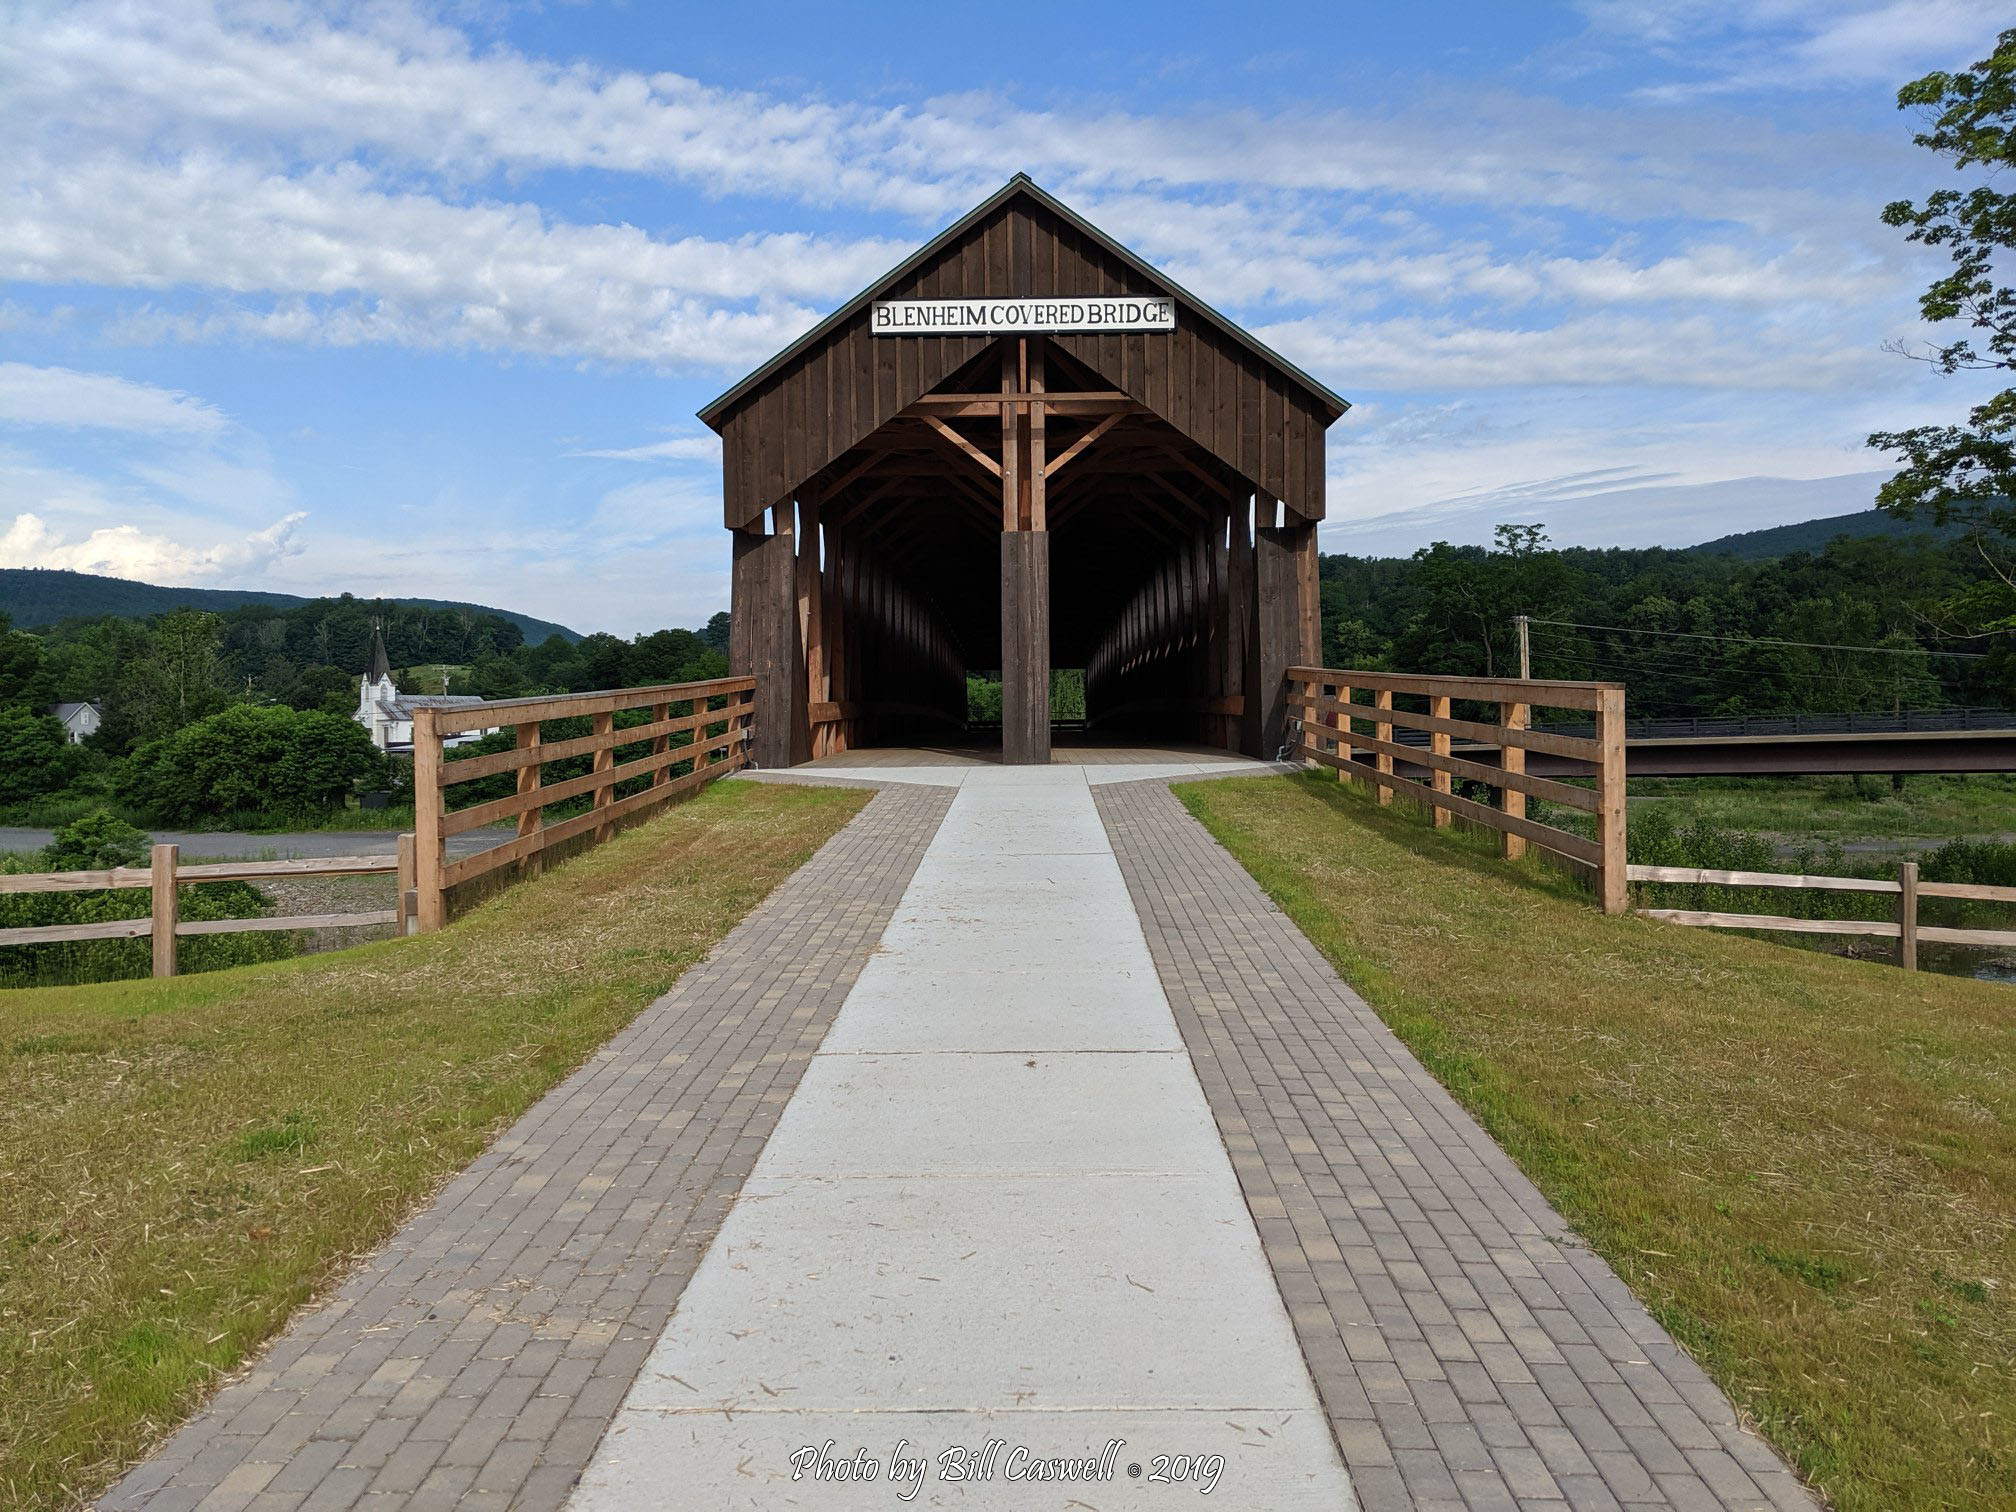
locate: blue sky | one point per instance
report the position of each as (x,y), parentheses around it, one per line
(421,300)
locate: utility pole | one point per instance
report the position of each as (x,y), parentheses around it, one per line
(1525,624)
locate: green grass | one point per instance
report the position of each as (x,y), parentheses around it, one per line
(184,1163)
(1820,809)
(1805,1166)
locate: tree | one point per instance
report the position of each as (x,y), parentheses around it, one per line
(36,757)
(1964,472)
(716,633)
(176,681)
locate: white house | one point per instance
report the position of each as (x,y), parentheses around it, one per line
(387,714)
(78,720)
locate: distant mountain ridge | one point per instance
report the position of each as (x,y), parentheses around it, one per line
(37,596)
(1813,535)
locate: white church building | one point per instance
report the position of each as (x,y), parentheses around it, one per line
(387,714)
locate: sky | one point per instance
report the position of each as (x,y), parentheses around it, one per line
(400,299)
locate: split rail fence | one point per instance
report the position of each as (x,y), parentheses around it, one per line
(165,873)
(718,725)
(1356,738)
(1904,928)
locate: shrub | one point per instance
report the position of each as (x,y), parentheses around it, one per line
(97,842)
(266,759)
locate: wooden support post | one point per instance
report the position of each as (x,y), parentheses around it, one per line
(167,911)
(1011,445)
(1613,882)
(530,778)
(1038,509)
(605,758)
(1278,623)
(1512,758)
(430,845)
(763,643)
(1025,647)
(403,904)
(1907,915)
(1438,744)
(1382,698)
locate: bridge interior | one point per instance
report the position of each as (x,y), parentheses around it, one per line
(1025,513)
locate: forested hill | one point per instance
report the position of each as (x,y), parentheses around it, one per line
(37,596)
(1813,535)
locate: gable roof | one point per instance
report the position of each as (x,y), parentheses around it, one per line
(839,383)
(1020,186)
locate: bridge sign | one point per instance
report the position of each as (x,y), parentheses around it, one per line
(987,317)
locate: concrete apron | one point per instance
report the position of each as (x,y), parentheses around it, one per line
(997,1212)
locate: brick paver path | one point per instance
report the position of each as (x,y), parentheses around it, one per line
(1468,1352)
(1469,1349)
(477,1360)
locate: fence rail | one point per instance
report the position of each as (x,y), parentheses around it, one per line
(165,873)
(1904,929)
(1359,741)
(718,726)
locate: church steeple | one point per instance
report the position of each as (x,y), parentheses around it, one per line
(381,664)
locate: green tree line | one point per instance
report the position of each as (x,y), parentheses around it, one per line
(1689,633)
(249,713)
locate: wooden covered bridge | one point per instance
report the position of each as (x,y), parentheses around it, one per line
(1023,448)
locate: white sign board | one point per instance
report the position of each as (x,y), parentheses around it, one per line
(988,317)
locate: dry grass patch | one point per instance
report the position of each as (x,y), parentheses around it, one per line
(1805,1166)
(182,1164)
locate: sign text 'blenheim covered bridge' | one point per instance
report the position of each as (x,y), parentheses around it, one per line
(1022,448)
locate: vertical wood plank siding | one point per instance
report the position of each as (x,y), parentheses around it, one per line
(1247,412)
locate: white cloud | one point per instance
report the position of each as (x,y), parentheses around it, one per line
(63,397)
(677,449)
(126,551)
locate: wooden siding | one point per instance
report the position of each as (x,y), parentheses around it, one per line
(1254,415)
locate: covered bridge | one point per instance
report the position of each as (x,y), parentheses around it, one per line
(1022,448)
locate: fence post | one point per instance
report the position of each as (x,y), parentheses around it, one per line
(1438,745)
(1382,763)
(659,714)
(403,903)
(430,846)
(531,776)
(166,910)
(1907,915)
(1343,719)
(605,757)
(1512,758)
(1613,879)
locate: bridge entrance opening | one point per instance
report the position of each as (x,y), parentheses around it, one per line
(1023,449)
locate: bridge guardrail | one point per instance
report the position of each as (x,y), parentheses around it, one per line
(1358,741)
(718,726)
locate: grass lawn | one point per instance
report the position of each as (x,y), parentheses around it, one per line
(1805,1166)
(1820,809)
(184,1163)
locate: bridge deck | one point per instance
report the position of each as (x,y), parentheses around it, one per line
(1182,1185)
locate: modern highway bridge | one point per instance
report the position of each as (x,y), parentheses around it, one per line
(1792,745)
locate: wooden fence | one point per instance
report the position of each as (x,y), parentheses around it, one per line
(718,725)
(1904,929)
(1357,739)
(166,873)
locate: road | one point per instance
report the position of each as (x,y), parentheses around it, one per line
(227,845)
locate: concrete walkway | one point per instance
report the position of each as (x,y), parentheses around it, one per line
(997,1209)
(1017,1124)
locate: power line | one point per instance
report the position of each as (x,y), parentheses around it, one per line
(1660,661)
(1758,640)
